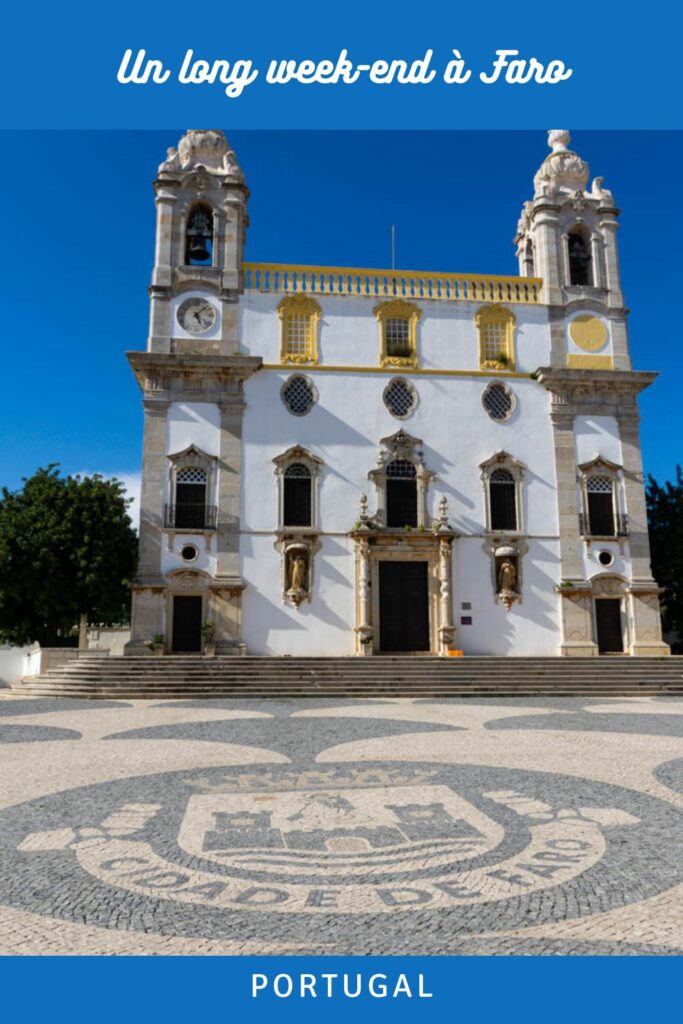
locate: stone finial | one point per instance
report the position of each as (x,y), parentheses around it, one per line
(559,139)
(562,172)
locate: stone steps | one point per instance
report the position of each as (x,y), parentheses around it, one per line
(179,676)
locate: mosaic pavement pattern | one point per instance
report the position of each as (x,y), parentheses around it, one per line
(517,826)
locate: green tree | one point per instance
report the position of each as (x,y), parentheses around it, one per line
(665,522)
(67,551)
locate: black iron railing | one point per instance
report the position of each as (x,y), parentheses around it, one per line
(621,524)
(190,517)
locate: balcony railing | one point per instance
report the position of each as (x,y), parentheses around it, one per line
(390,284)
(190,517)
(621,524)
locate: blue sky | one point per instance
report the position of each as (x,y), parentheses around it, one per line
(79,240)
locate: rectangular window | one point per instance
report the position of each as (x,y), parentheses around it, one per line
(401,503)
(297,328)
(494,341)
(503,507)
(601,515)
(397,338)
(297,501)
(190,510)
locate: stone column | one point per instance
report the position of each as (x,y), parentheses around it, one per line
(446,627)
(609,228)
(160,328)
(643,593)
(634,487)
(577,632)
(147,611)
(228,601)
(364,630)
(547,254)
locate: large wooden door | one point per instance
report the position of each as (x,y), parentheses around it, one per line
(403,606)
(187,624)
(608,625)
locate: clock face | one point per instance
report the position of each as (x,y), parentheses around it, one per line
(196,315)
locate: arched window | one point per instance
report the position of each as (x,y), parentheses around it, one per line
(529,258)
(190,498)
(297,507)
(401,495)
(503,500)
(601,518)
(199,236)
(580,270)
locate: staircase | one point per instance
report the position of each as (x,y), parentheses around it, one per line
(387,676)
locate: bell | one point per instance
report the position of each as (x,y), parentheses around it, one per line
(198,250)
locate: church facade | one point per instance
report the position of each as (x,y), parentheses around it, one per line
(345,461)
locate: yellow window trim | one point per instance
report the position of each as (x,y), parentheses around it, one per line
(397,309)
(299,306)
(500,316)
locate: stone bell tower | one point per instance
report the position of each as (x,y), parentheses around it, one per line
(567,236)
(191,377)
(201,201)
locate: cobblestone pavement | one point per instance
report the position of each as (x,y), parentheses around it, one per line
(517,826)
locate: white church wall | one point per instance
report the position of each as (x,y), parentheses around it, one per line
(344,429)
(324,626)
(349,333)
(597,435)
(530,627)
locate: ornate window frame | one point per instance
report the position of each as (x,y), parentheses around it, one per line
(193,457)
(495,384)
(495,314)
(410,387)
(503,460)
(294,542)
(299,306)
(398,309)
(313,391)
(600,466)
(401,446)
(282,462)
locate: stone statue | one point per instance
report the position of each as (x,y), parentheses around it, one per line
(171,163)
(507,576)
(297,573)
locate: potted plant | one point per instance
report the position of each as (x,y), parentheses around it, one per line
(157,644)
(209,644)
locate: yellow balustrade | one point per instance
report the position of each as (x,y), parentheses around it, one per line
(380,284)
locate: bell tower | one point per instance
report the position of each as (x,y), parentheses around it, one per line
(567,235)
(191,377)
(201,201)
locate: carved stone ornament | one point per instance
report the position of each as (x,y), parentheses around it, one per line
(562,172)
(608,585)
(207,149)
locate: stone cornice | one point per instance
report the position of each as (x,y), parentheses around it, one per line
(160,372)
(570,385)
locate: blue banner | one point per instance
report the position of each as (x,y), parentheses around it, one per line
(357,65)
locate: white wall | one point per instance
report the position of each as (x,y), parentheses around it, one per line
(12,664)
(344,429)
(349,333)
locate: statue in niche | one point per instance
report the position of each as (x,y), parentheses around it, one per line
(507,577)
(297,576)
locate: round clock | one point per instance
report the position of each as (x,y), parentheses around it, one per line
(196,315)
